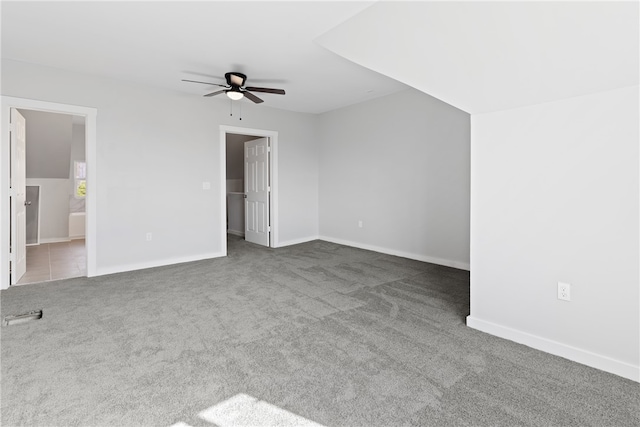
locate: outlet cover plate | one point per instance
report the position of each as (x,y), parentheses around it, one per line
(564,291)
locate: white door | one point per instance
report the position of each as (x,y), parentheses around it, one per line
(18,197)
(256,191)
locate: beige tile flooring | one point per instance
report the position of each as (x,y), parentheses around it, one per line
(52,261)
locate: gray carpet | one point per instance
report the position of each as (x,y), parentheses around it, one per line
(330,334)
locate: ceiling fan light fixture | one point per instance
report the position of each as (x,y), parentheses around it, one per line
(236,90)
(235,94)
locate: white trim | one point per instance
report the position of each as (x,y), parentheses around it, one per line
(55,240)
(297,241)
(418,257)
(574,354)
(273,176)
(222,167)
(162,263)
(90,115)
(236,233)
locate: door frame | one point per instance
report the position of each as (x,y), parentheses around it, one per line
(90,115)
(273,178)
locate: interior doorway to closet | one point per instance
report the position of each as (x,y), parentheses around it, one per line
(249,185)
(235,183)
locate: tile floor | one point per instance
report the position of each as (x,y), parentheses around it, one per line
(52,261)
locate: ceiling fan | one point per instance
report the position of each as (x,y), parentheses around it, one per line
(235,88)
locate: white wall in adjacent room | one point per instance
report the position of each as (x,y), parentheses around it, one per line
(235,155)
(399,164)
(54,208)
(555,198)
(49,137)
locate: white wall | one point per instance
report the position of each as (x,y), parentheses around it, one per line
(555,195)
(54,208)
(400,164)
(48,144)
(78,151)
(154,149)
(235,155)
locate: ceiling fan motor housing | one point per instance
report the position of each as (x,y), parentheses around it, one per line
(235,79)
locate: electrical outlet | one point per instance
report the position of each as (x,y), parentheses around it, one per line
(360,225)
(564,291)
(206,185)
(149,237)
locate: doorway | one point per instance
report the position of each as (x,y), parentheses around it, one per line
(55,175)
(237,195)
(235,183)
(8,224)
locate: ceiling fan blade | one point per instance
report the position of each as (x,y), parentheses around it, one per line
(215,93)
(252,97)
(266,90)
(204,83)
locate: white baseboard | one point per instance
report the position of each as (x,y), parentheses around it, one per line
(55,240)
(433,260)
(575,354)
(296,241)
(236,233)
(151,264)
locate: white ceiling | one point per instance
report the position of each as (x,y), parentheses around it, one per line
(160,43)
(488,56)
(477,56)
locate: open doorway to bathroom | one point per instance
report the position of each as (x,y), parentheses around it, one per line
(56,185)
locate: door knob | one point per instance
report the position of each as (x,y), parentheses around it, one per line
(245,196)
(26,203)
